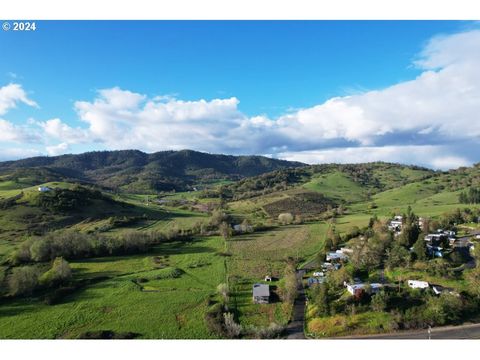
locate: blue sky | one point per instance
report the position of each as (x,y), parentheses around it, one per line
(286,89)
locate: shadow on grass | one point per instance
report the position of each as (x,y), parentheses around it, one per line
(262,233)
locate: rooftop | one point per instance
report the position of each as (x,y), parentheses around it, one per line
(261,290)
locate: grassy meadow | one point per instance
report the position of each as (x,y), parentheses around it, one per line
(160,305)
(166,292)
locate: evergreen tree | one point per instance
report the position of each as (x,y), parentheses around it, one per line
(420,249)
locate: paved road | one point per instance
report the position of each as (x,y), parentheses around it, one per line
(294,329)
(471,331)
(462,245)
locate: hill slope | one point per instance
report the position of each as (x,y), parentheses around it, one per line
(342,182)
(135,171)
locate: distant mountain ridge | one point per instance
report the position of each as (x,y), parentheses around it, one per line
(136,171)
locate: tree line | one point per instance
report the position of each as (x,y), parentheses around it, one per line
(471,196)
(75,245)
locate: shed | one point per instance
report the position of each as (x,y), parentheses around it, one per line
(261,293)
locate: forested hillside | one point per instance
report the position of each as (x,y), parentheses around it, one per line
(135,171)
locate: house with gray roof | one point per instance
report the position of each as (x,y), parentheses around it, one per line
(261,293)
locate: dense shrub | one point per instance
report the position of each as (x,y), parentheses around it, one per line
(308,204)
(218,217)
(321,299)
(23,280)
(59,273)
(398,256)
(437,311)
(272,331)
(288,285)
(285,218)
(232,329)
(472,196)
(74,245)
(379,301)
(68,199)
(215,320)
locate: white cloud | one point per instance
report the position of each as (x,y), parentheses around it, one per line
(448,162)
(447,50)
(13,153)
(15,133)
(428,120)
(57,149)
(56,129)
(123,119)
(11,95)
(8,131)
(426,155)
(442,102)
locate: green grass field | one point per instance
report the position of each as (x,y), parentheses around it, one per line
(337,186)
(165,293)
(253,256)
(172,308)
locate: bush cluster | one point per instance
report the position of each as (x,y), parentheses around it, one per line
(75,245)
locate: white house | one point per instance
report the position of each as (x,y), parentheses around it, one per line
(318,274)
(396,223)
(417,284)
(353,288)
(44,189)
(338,255)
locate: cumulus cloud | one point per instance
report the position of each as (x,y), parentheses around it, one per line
(55,128)
(10,132)
(430,120)
(11,95)
(57,149)
(123,119)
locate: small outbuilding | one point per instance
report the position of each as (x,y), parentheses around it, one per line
(315,280)
(44,189)
(261,293)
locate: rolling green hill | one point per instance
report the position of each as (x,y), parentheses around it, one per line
(343,182)
(169,289)
(137,172)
